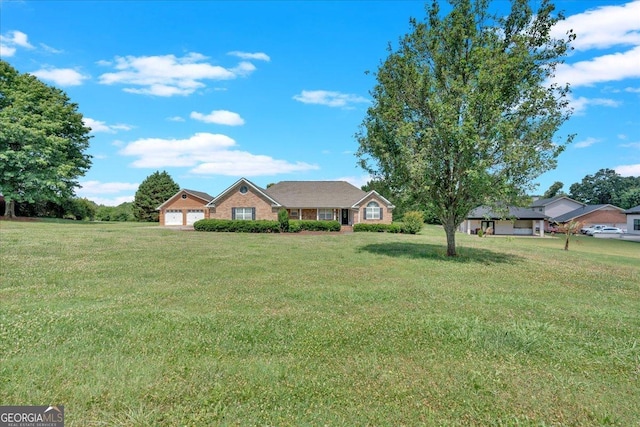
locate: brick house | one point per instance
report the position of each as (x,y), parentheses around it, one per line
(184,208)
(305,200)
(606,214)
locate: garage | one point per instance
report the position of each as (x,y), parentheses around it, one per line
(173,217)
(194,215)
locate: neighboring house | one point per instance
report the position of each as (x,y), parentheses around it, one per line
(633,220)
(184,208)
(556,206)
(595,214)
(517,222)
(306,200)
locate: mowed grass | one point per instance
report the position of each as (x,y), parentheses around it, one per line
(134,325)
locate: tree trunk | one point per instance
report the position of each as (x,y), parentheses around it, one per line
(450,230)
(10,209)
(566,242)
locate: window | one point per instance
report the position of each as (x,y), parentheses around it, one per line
(372,211)
(636,224)
(325,214)
(184,196)
(293,213)
(243,213)
(244,189)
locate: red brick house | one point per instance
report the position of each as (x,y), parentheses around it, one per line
(305,200)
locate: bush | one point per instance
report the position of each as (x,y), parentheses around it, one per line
(310,225)
(283,220)
(413,222)
(380,228)
(237,226)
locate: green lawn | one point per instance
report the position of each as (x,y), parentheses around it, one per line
(128,324)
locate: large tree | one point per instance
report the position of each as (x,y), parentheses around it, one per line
(606,187)
(554,190)
(42,141)
(152,192)
(464,110)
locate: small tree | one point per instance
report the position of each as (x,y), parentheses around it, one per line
(156,189)
(569,229)
(413,222)
(283,220)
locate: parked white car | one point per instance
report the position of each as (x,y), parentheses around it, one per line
(612,230)
(589,230)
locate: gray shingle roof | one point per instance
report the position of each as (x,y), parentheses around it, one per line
(633,210)
(315,194)
(514,212)
(200,194)
(580,212)
(545,202)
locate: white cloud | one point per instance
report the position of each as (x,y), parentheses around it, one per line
(207,154)
(631,145)
(50,49)
(61,76)
(97,187)
(632,89)
(628,170)
(357,181)
(176,119)
(607,68)
(168,75)
(581,103)
(586,142)
(221,117)
(100,126)
(329,98)
(603,27)
(258,56)
(11,40)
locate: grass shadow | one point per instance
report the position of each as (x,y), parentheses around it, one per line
(439,252)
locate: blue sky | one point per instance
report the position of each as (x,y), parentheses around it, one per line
(212,91)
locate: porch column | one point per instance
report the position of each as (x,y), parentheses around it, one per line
(542,228)
(468,226)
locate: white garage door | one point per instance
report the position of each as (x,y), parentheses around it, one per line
(173,217)
(194,215)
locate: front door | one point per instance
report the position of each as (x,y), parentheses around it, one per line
(345,217)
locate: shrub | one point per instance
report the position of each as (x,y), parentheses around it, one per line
(237,226)
(311,225)
(380,228)
(283,220)
(413,222)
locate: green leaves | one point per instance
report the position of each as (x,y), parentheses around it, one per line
(42,140)
(152,192)
(462,110)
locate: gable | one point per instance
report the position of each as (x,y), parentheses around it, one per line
(186,199)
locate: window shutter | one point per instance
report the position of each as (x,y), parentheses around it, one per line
(253,213)
(381,210)
(233,213)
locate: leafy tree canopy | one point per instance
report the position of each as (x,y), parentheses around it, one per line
(156,189)
(554,190)
(464,111)
(607,187)
(42,141)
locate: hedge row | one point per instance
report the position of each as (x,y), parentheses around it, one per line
(309,225)
(380,228)
(262,226)
(237,226)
